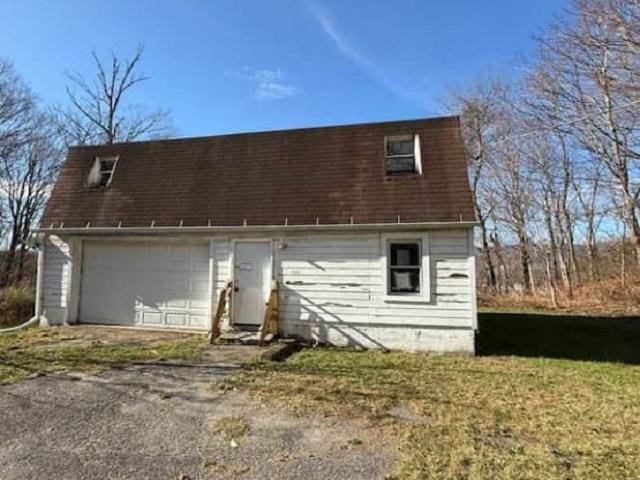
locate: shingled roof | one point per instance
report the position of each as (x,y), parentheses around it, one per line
(326,175)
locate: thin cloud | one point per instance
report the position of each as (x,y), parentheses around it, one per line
(268,84)
(347,48)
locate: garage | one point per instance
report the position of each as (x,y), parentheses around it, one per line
(150,284)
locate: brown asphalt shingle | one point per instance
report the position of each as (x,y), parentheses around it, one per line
(329,173)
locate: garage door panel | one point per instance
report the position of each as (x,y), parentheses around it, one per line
(152,318)
(179,282)
(198,321)
(151,284)
(177,303)
(177,319)
(200,288)
(201,305)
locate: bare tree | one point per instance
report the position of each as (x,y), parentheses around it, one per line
(588,80)
(513,195)
(29,158)
(16,107)
(26,179)
(480,109)
(554,157)
(587,190)
(98,110)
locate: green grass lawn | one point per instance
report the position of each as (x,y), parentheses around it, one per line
(33,350)
(549,397)
(477,418)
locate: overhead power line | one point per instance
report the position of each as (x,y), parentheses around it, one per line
(540,131)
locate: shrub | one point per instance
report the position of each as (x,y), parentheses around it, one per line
(16,305)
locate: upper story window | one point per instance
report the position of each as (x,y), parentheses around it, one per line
(101,173)
(402,154)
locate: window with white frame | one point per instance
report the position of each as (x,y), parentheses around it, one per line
(404,267)
(402,154)
(102,171)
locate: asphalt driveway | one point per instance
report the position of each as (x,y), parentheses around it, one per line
(162,422)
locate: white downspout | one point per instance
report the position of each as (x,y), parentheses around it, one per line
(37,317)
(39,283)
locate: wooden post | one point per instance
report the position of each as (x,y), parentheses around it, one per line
(222,304)
(270,321)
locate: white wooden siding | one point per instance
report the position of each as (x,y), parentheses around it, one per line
(332,289)
(55,281)
(220,275)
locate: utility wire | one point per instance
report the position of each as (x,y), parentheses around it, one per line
(564,124)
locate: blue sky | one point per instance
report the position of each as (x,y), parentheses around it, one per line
(244,65)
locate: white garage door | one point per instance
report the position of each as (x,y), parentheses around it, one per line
(145,284)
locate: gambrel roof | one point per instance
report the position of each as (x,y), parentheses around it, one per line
(326,175)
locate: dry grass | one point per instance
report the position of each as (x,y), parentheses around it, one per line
(475,418)
(37,351)
(232,428)
(16,305)
(606,297)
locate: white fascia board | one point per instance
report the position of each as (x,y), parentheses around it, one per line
(392,227)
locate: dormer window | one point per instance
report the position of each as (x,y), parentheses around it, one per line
(101,173)
(402,154)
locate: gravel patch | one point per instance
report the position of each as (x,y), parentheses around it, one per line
(158,422)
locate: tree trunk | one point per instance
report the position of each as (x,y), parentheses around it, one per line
(551,284)
(631,219)
(525,263)
(503,284)
(623,256)
(486,251)
(592,255)
(9,260)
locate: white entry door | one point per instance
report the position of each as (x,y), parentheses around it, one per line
(252,282)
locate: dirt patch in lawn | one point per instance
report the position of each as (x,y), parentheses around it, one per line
(92,349)
(37,351)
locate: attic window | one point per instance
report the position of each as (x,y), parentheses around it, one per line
(402,154)
(102,171)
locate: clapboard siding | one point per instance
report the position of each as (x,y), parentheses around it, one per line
(220,250)
(332,283)
(332,289)
(55,279)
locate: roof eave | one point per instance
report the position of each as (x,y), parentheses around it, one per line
(97,231)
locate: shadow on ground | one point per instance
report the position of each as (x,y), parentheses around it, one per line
(611,339)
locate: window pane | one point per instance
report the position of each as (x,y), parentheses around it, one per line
(400,147)
(405,280)
(107,165)
(405,254)
(400,164)
(104,178)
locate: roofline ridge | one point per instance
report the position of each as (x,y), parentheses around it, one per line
(453,117)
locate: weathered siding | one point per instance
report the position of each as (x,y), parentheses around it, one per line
(55,282)
(333,291)
(220,274)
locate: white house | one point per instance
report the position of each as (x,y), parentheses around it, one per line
(367,229)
